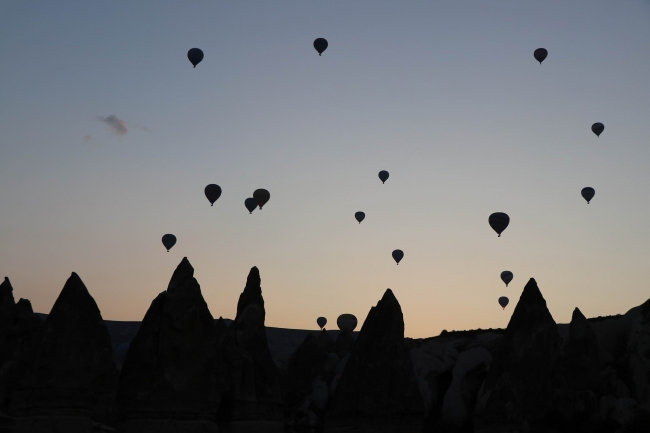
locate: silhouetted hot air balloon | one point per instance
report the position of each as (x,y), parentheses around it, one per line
(503,301)
(398,255)
(506,277)
(499,221)
(169,241)
(359,216)
(383,175)
(540,54)
(261,196)
(250,204)
(195,55)
(212,192)
(598,128)
(321,45)
(588,193)
(346,322)
(321,322)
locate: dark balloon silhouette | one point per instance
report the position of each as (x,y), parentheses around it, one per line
(212,192)
(506,277)
(540,54)
(321,45)
(321,322)
(598,128)
(195,55)
(503,301)
(398,255)
(169,241)
(250,204)
(359,216)
(261,196)
(499,221)
(383,175)
(588,193)
(347,322)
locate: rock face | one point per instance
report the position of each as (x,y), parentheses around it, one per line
(71,376)
(254,401)
(519,390)
(170,379)
(378,391)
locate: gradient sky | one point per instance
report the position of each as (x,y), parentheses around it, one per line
(445,95)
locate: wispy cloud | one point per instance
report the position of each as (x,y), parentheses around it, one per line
(118,126)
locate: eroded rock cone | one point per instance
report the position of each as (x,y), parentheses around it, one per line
(254,401)
(170,380)
(519,389)
(378,391)
(72,376)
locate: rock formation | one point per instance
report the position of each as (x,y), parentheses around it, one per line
(170,380)
(71,377)
(520,387)
(254,401)
(378,391)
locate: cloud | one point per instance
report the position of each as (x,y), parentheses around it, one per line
(118,126)
(88,139)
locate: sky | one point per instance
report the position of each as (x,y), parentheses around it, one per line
(108,138)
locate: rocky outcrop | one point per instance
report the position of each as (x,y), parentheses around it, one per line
(254,401)
(170,380)
(71,377)
(520,387)
(378,391)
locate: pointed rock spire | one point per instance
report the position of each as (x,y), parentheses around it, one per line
(255,394)
(378,387)
(7,304)
(170,373)
(527,364)
(72,373)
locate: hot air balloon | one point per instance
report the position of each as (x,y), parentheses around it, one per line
(195,55)
(540,54)
(321,45)
(212,192)
(398,255)
(597,128)
(588,193)
(506,277)
(346,322)
(169,241)
(503,301)
(359,216)
(261,196)
(250,204)
(321,322)
(499,221)
(383,175)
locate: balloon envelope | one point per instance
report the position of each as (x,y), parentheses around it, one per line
(383,175)
(540,54)
(499,221)
(398,255)
(503,301)
(261,196)
(212,192)
(195,56)
(321,322)
(250,204)
(169,241)
(588,193)
(346,322)
(321,45)
(506,277)
(597,128)
(359,216)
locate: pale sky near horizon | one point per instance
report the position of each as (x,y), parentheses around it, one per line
(445,95)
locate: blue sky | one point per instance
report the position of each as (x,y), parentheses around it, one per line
(446,96)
